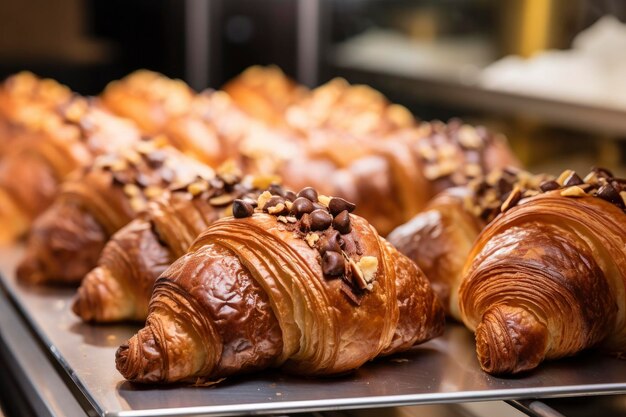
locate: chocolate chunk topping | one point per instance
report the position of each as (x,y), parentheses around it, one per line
(242,209)
(330,242)
(337,205)
(320,220)
(274,201)
(333,264)
(341,222)
(609,193)
(301,205)
(549,186)
(309,193)
(290,195)
(573,179)
(305,223)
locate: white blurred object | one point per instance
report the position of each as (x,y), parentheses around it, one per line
(592,72)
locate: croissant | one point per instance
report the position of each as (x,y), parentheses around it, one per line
(65,242)
(119,288)
(148,98)
(264,93)
(25,99)
(313,292)
(440,238)
(547,278)
(30,173)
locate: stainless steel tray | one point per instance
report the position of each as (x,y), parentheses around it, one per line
(441,371)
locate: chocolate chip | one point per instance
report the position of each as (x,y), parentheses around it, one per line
(301,205)
(156,158)
(609,193)
(276,189)
(274,201)
(603,172)
(333,264)
(320,220)
(290,195)
(250,200)
(305,223)
(330,242)
(309,193)
(572,179)
(319,206)
(341,222)
(337,205)
(549,186)
(242,209)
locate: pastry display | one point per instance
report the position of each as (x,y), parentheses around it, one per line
(547,278)
(65,242)
(302,285)
(148,98)
(64,140)
(440,238)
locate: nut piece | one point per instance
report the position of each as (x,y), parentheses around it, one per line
(221,200)
(198,187)
(368,266)
(469,138)
(513,198)
(311,239)
(263,199)
(276,209)
(131,190)
(261,182)
(153,191)
(573,191)
(324,200)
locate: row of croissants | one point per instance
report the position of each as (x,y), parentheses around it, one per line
(243,227)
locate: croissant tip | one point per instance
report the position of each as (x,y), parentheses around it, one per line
(121,359)
(28,271)
(80,306)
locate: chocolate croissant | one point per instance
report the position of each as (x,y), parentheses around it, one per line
(148,98)
(119,288)
(440,238)
(63,141)
(25,100)
(312,292)
(547,278)
(65,242)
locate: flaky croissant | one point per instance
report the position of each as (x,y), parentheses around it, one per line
(63,141)
(265,93)
(25,100)
(148,98)
(547,278)
(315,293)
(119,288)
(65,242)
(440,238)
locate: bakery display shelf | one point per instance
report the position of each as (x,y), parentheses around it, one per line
(444,370)
(471,96)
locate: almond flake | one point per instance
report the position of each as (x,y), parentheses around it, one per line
(198,187)
(311,239)
(573,191)
(263,199)
(131,190)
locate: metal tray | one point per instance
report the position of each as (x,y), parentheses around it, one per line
(444,370)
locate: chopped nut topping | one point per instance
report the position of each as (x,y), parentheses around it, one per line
(512,199)
(311,239)
(368,266)
(468,137)
(131,190)
(573,191)
(263,199)
(198,187)
(119,165)
(289,205)
(324,199)
(278,208)
(138,204)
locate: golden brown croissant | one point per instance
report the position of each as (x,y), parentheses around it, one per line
(64,141)
(25,100)
(547,278)
(265,93)
(120,287)
(65,242)
(148,98)
(356,109)
(439,239)
(313,292)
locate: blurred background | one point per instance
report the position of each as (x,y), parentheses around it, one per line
(548,73)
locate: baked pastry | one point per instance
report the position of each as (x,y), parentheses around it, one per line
(65,242)
(355,109)
(25,99)
(148,98)
(30,173)
(119,288)
(313,292)
(547,278)
(440,238)
(265,93)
